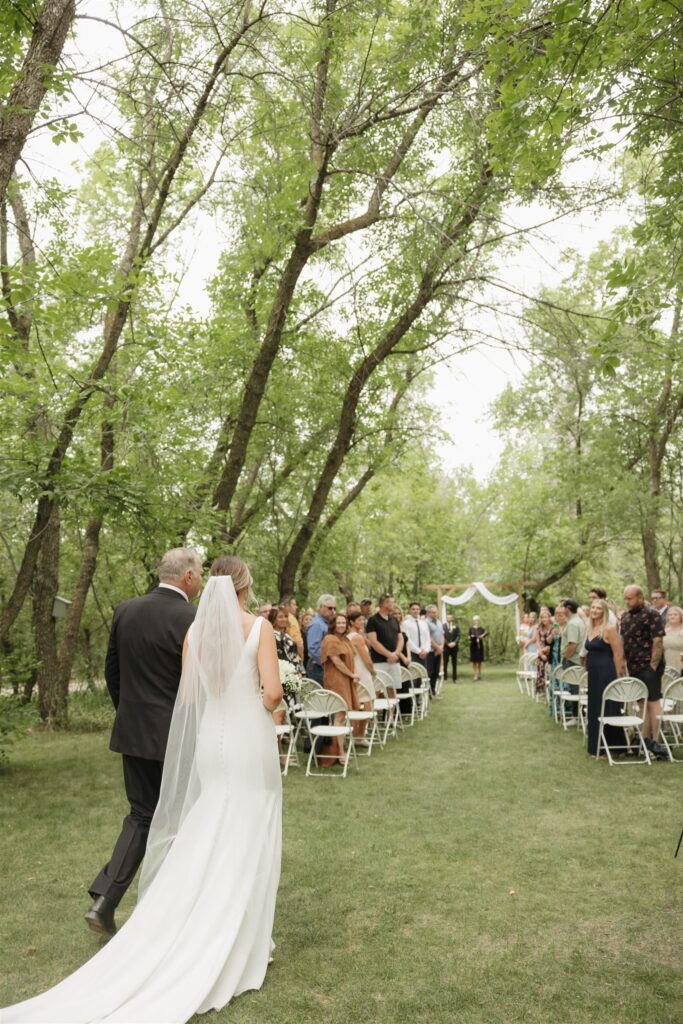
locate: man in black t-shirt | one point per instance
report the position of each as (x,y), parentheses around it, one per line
(385,640)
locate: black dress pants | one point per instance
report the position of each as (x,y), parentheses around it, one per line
(142,779)
(433,666)
(450,654)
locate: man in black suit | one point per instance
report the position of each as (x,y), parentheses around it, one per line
(451,644)
(142,672)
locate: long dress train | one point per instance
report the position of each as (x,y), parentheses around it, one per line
(201,932)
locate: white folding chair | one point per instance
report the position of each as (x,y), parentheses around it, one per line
(386,706)
(421,687)
(367,714)
(298,714)
(326,704)
(408,692)
(526,675)
(672,715)
(572,676)
(285,730)
(624,691)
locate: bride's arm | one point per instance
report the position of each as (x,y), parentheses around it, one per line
(268,667)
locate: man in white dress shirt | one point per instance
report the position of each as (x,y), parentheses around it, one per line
(417,631)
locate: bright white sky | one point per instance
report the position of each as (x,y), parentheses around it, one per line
(465,387)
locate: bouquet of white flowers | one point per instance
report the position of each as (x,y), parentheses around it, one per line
(290,679)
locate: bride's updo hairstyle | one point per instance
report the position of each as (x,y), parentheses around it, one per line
(231,565)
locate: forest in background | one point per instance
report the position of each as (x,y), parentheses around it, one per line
(359,159)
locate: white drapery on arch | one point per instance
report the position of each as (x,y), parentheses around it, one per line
(482,589)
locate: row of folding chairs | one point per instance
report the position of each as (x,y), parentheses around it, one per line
(317,712)
(566,692)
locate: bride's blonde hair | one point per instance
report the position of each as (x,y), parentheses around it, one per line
(231,565)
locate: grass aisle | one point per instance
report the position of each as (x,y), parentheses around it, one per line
(481,869)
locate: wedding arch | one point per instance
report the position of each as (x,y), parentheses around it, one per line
(445,598)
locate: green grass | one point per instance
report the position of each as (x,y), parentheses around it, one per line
(481,869)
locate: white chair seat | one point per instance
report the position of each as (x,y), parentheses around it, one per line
(283,730)
(331,730)
(627,721)
(361,716)
(574,698)
(672,718)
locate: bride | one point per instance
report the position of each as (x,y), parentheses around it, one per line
(201,931)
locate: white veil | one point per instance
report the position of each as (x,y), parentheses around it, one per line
(215,645)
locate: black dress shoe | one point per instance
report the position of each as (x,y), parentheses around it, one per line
(100,917)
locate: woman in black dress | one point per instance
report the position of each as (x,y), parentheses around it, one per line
(476,635)
(605,662)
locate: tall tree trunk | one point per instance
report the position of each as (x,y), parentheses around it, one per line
(32,82)
(52,700)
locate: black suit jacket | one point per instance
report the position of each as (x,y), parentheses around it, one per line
(451,634)
(143,669)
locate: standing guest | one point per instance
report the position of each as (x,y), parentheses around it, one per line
(417,634)
(363,665)
(385,640)
(366,608)
(339,675)
(574,635)
(142,671)
(451,643)
(543,638)
(605,662)
(318,628)
(352,607)
(658,598)
(284,644)
(555,655)
(404,656)
(436,637)
(642,632)
(530,645)
(289,603)
(264,609)
(305,619)
(476,638)
(673,639)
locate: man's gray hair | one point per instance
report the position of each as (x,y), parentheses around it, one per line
(431,608)
(325,599)
(176,563)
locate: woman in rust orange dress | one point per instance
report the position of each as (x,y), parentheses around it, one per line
(339,675)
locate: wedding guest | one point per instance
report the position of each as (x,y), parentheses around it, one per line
(605,663)
(543,638)
(339,675)
(264,609)
(305,619)
(434,657)
(285,645)
(366,608)
(659,601)
(417,633)
(385,640)
(530,646)
(476,638)
(327,609)
(573,636)
(363,665)
(404,656)
(555,655)
(451,644)
(642,632)
(673,639)
(352,606)
(289,603)
(600,594)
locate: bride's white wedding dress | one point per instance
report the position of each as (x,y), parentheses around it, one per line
(201,931)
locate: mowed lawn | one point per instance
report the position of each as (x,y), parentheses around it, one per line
(480,869)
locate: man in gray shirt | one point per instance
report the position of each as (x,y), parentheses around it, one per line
(434,656)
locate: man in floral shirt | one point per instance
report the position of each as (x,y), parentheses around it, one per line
(642,631)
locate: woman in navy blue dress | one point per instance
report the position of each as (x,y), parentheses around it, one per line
(605,662)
